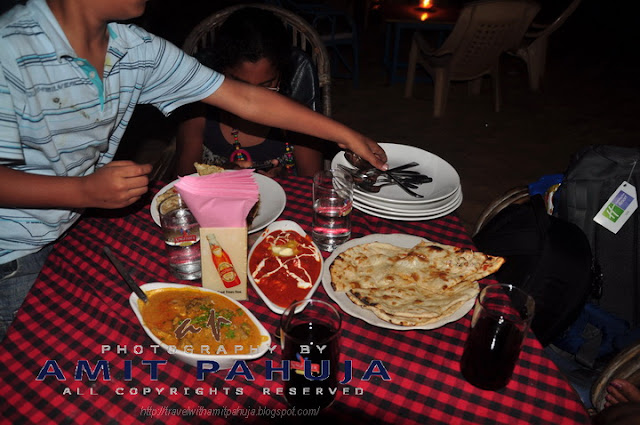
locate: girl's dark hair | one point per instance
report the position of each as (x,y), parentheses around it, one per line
(249,34)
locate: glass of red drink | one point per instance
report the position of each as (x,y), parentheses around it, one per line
(310,344)
(500,321)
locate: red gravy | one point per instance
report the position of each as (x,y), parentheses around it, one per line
(285,265)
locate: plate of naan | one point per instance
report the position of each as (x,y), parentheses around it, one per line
(405,282)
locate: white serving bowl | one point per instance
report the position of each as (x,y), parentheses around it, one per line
(281,225)
(224,361)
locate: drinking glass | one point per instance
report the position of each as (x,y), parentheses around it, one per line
(310,342)
(500,321)
(332,205)
(182,238)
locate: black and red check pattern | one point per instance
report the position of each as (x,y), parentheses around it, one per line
(79,304)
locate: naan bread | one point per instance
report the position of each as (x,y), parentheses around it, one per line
(166,195)
(367,260)
(206,169)
(410,307)
(411,286)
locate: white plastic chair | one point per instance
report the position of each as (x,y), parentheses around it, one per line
(533,49)
(484,30)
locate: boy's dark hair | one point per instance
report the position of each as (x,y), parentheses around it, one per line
(249,34)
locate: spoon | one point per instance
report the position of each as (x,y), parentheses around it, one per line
(364,165)
(375,188)
(125,275)
(361,163)
(356,160)
(358,175)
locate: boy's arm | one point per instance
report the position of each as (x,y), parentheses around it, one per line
(115,185)
(189,140)
(266,107)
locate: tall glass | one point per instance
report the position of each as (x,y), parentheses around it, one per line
(310,343)
(182,238)
(332,205)
(501,319)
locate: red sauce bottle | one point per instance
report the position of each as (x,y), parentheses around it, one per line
(223,263)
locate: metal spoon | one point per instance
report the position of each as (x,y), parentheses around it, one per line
(357,174)
(356,160)
(375,188)
(364,165)
(361,163)
(125,275)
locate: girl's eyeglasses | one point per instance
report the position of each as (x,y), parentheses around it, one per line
(276,88)
(266,85)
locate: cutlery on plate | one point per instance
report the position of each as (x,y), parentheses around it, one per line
(362,164)
(359,162)
(404,187)
(402,168)
(125,274)
(375,188)
(413,177)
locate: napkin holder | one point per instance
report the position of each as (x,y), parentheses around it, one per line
(233,241)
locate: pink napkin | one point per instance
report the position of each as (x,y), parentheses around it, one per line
(220,199)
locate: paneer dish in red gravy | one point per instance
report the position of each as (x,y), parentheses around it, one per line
(285,265)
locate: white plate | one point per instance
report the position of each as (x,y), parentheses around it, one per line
(401,217)
(271,204)
(393,207)
(341,298)
(445,178)
(436,207)
(281,225)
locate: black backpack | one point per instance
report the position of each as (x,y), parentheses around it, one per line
(547,257)
(593,175)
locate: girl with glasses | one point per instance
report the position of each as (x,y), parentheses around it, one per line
(252,46)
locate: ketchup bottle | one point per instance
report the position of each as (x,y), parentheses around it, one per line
(223,263)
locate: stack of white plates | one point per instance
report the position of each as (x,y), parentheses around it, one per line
(440,197)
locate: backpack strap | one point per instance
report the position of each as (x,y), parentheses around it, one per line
(581,200)
(542,222)
(540,212)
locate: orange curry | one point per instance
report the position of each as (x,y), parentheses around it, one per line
(199,322)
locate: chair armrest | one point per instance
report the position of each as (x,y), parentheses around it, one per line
(536,30)
(426,48)
(439,61)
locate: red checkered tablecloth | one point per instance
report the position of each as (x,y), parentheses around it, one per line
(96,365)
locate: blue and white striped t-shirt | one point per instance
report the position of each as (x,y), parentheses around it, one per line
(57,117)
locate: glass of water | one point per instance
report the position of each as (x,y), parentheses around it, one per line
(332,205)
(182,238)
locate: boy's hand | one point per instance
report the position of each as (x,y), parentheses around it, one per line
(369,150)
(117,184)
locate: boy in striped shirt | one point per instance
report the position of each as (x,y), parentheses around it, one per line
(70,78)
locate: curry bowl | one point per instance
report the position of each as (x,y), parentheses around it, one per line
(284,265)
(199,324)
